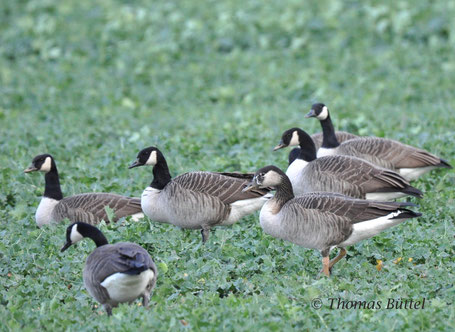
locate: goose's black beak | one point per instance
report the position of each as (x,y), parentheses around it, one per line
(279,146)
(135,164)
(311,114)
(30,169)
(66,246)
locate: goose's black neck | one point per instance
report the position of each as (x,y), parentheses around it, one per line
(98,237)
(284,191)
(161,175)
(52,187)
(329,138)
(307,151)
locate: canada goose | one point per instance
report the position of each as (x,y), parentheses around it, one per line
(345,175)
(114,273)
(410,162)
(88,207)
(322,221)
(196,200)
(317,139)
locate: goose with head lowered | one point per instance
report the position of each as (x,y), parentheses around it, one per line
(345,175)
(114,273)
(89,207)
(196,200)
(406,160)
(322,221)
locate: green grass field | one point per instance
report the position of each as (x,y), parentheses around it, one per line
(213,85)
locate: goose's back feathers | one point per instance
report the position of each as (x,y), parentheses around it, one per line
(389,153)
(340,135)
(227,187)
(90,207)
(105,261)
(350,176)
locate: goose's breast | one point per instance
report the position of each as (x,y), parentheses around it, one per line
(43,214)
(322,152)
(123,287)
(152,204)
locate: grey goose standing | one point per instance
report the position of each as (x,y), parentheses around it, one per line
(114,273)
(89,207)
(409,161)
(317,139)
(196,200)
(322,221)
(345,175)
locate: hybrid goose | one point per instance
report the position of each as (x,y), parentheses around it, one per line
(88,207)
(345,175)
(406,160)
(114,273)
(322,221)
(317,139)
(196,200)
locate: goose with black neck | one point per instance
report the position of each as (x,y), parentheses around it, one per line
(114,273)
(408,161)
(196,200)
(89,207)
(345,175)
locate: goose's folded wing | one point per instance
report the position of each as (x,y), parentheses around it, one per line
(350,209)
(396,154)
(91,207)
(123,257)
(358,172)
(225,186)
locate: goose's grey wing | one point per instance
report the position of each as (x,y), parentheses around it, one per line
(351,176)
(90,207)
(352,209)
(225,186)
(104,261)
(388,153)
(340,135)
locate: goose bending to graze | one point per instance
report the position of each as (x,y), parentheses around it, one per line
(196,200)
(409,161)
(114,273)
(322,221)
(317,139)
(346,175)
(90,207)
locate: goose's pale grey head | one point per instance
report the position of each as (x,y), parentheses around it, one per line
(319,111)
(147,157)
(73,235)
(41,163)
(267,177)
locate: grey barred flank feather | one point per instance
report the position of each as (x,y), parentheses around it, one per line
(388,153)
(91,207)
(109,259)
(349,176)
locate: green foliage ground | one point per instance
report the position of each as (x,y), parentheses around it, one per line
(213,84)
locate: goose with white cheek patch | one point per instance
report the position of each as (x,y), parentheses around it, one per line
(196,200)
(322,221)
(406,160)
(317,139)
(345,175)
(89,207)
(114,273)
